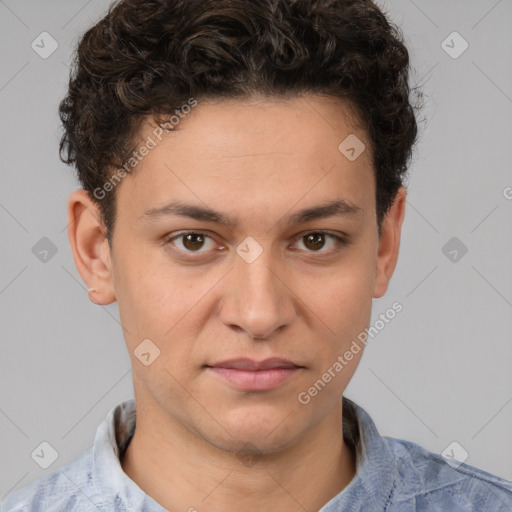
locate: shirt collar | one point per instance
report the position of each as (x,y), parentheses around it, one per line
(112,485)
(375,477)
(370,489)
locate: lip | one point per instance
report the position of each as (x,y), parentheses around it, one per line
(245,363)
(251,375)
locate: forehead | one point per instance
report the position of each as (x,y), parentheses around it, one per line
(265,121)
(266,150)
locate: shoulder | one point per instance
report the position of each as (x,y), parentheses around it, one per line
(66,489)
(427,482)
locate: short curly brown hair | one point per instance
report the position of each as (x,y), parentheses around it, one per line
(149,57)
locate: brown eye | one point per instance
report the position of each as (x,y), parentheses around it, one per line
(318,242)
(314,241)
(193,241)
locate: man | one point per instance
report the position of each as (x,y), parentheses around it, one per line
(242,202)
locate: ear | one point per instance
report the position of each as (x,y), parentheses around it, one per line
(91,252)
(389,243)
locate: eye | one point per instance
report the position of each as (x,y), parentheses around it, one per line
(194,242)
(191,241)
(314,241)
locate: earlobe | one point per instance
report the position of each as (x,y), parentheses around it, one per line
(91,252)
(389,243)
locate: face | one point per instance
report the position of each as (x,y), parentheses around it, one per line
(252,266)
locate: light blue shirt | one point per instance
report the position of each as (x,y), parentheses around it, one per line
(392,475)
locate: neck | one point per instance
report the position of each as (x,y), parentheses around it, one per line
(180,471)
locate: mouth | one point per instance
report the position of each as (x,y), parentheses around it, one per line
(251,375)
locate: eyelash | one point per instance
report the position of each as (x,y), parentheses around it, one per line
(340,241)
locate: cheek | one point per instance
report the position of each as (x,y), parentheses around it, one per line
(343,297)
(168,306)
(147,298)
(340,308)
(351,302)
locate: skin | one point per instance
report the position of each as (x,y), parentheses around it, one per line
(259,161)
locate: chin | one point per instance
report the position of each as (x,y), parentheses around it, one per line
(251,445)
(255,434)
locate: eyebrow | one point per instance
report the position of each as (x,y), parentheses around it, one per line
(338,207)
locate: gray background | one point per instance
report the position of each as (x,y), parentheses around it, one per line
(438,373)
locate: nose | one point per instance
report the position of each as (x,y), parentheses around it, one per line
(257,299)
